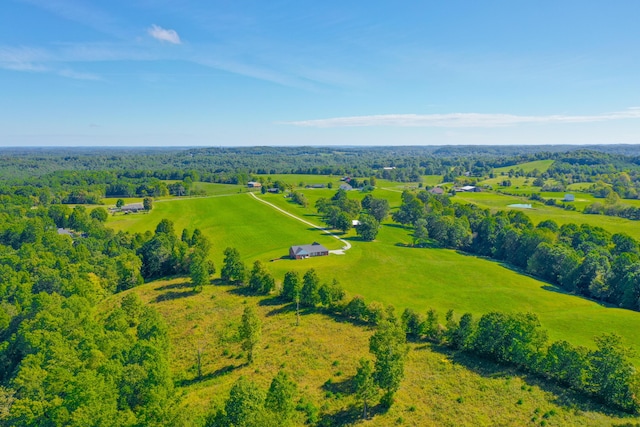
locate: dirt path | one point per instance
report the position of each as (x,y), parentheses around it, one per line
(346,244)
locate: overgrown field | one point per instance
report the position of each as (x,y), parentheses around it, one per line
(440,388)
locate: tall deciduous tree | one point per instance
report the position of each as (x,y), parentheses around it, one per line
(147,203)
(368,228)
(379,209)
(245,404)
(99,214)
(389,346)
(613,376)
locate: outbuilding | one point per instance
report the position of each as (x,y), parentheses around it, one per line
(132,207)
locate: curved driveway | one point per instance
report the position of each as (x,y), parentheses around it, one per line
(346,246)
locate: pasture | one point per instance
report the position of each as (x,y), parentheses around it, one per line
(540,165)
(541,212)
(387,270)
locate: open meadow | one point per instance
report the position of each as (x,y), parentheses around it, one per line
(387,270)
(320,355)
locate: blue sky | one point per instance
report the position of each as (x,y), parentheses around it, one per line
(227,73)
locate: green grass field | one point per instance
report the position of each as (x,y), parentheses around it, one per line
(440,388)
(432,180)
(386,270)
(519,183)
(541,212)
(212,189)
(257,230)
(541,165)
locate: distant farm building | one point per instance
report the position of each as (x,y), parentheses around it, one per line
(346,187)
(436,190)
(355,223)
(132,208)
(569,198)
(307,251)
(70,233)
(316,186)
(468,188)
(65,232)
(254,184)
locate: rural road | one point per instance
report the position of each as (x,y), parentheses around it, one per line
(346,246)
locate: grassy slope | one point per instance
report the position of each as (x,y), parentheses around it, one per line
(541,165)
(440,388)
(256,230)
(386,270)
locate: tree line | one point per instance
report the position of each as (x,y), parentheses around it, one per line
(604,373)
(581,259)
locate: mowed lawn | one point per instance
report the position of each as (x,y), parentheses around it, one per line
(255,229)
(387,270)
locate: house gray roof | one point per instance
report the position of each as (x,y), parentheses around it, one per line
(308,249)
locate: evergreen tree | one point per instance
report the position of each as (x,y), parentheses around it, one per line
(233,268)
(280,397)
(260,281)
(365,386)
(290,286)
(309,296)
(250,332)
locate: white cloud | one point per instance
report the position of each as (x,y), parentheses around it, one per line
(22,59)
(162,34)
(460,120)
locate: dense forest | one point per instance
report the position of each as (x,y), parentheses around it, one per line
(65,360)
(82,176)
